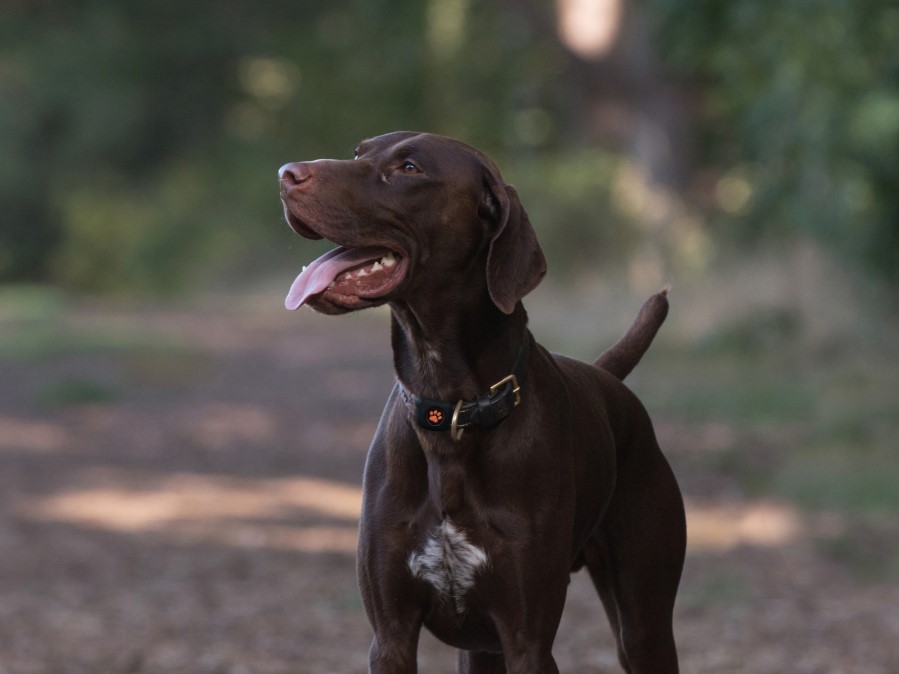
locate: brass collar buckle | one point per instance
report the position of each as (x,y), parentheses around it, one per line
(516,388)
(456,432)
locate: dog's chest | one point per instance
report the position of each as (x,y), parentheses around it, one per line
(449,562)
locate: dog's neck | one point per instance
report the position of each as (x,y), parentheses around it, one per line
(455,352)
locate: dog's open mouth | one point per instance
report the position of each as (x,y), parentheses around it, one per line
(346,276)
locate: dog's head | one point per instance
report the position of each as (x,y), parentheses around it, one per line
(411,213)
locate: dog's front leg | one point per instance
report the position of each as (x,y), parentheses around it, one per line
(527,652)
(394,652)
(395,480)
(395,615)
(527,621)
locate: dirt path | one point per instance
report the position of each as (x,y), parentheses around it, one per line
(179,490)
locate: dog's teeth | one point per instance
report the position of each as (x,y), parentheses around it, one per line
(362,272)
(376,266)
(388,260)
(331,285)
(304,267)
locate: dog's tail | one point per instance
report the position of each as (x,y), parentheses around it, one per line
(624,355)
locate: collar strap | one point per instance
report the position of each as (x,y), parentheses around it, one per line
(487,411)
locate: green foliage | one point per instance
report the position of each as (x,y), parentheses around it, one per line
(801,104)
(570,197)
(37,325)
(75,391)
(868,488)
(751,395)
(757,332)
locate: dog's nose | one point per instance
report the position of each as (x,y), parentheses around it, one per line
(294,174)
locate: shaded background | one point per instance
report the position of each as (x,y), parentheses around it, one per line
(179,478)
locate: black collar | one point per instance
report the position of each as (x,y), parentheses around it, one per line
(487,411)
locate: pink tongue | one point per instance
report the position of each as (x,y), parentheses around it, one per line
(316,278)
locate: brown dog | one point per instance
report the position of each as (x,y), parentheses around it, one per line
(498,468)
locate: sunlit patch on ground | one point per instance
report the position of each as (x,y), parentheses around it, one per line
(248,512)
(724,527)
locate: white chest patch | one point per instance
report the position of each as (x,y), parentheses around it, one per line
(449,562)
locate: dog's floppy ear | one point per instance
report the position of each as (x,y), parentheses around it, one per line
(515,261)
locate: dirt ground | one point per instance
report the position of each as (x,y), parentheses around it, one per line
(183,499)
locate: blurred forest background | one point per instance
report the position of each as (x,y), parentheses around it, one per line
(138,140)
(180,458)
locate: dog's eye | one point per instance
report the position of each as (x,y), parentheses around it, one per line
(356,153)
(409,167)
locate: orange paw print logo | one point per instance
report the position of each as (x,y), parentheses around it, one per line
(435,416)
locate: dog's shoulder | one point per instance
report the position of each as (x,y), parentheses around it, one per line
(591,388)
(578,373)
